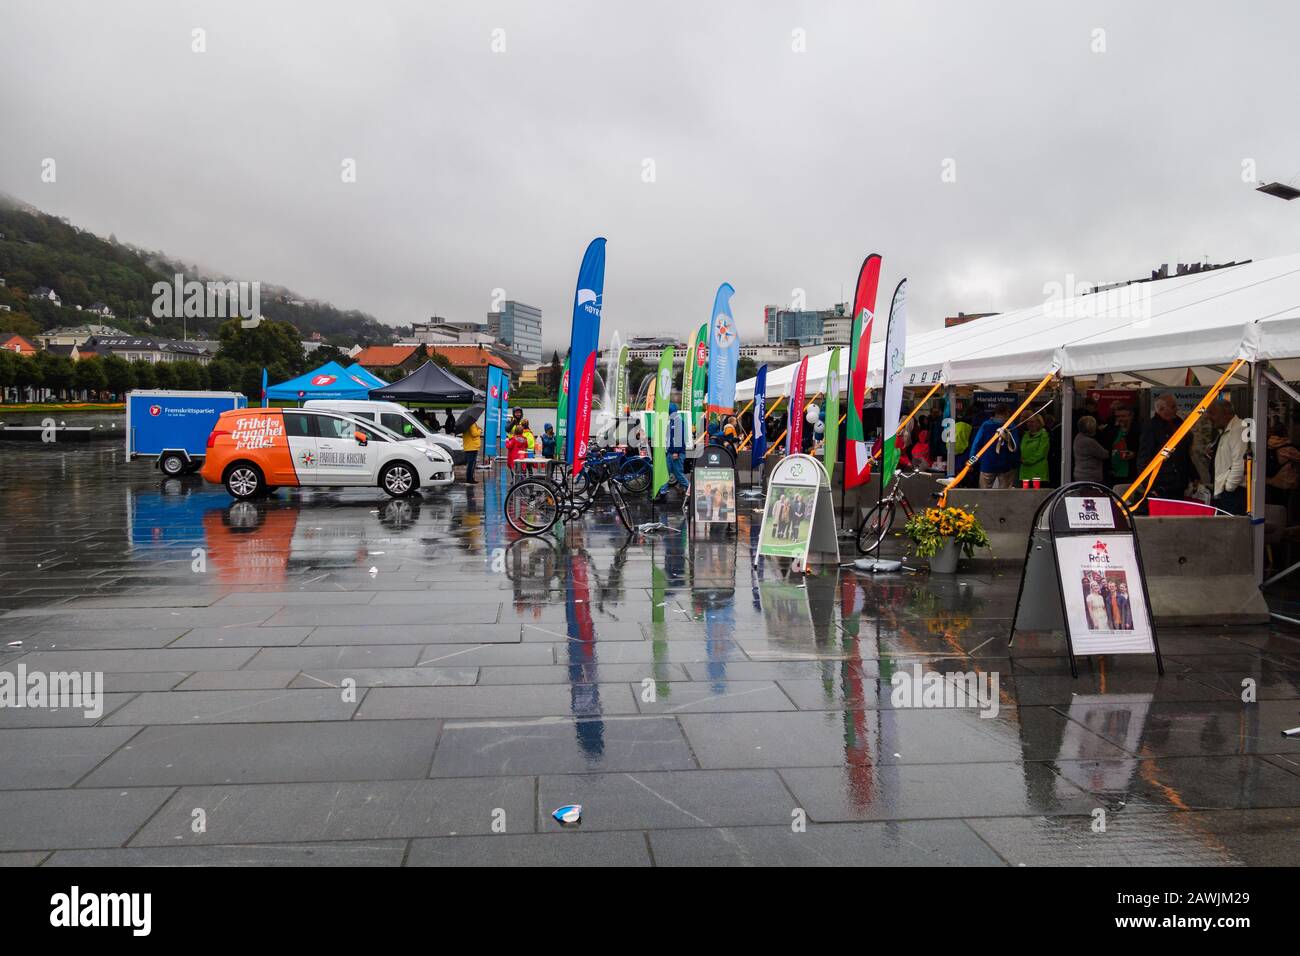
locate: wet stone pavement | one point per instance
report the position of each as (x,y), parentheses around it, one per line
(271,699)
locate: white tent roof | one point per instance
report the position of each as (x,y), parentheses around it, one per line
(1250,311)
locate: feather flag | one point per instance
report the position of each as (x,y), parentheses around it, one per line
(663,390)
(795,444)
(584,338)
(724,353)
(857,459)
(562,411)
(759,450)
(895,361)
(701,382)
(831,437)
(688,388)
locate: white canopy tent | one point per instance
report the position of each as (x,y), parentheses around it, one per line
(1157,329)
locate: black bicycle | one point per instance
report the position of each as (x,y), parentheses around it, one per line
(534,504)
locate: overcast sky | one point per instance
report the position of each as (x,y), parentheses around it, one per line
(775,170)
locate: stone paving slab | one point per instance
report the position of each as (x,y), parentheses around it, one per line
(56,756)
(74,819)
(506,701)
(932,843)
(234,706)
(431,634)
(533,849)
(387,677)
(689,798)
(342,853)
(554,745)
(915,792)
(311,812)
(266,753)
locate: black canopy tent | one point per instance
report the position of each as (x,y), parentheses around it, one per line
(428,383)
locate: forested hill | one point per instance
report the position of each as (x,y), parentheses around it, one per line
(84,269)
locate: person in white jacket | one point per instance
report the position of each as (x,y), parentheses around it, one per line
(1229,458)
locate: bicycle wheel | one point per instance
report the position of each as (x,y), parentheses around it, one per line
(532,505)
(875,525)
(620,506)
(635,475)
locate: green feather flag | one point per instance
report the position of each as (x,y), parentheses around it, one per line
(830,452)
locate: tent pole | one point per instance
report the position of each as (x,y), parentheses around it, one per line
(950,428)
(1258,476)
(1067,430)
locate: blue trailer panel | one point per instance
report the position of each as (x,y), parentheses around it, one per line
(161,420)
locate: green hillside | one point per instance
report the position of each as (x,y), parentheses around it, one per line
(41,250)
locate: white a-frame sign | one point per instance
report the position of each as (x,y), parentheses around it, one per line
(798,516)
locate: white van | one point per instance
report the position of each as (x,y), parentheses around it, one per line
(396,418)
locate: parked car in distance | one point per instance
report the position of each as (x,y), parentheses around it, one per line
(396,418)
(253,451)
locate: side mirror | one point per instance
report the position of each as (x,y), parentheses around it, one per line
(361,438)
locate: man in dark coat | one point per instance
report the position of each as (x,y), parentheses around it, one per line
(1176,473)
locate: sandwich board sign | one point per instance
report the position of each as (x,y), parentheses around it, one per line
(713,492)
(1083,575)
(798,516)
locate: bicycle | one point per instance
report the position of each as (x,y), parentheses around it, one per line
(876,523)
(533,505)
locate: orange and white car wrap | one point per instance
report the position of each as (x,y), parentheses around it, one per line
(254,450)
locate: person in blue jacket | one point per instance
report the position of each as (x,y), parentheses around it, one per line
(676,447)
(999,464)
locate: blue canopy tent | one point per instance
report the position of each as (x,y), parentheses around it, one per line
(331,380)
(358,371)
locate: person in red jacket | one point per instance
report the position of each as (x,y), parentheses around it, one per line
(921,451)
(516,445)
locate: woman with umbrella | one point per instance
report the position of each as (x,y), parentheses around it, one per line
(471,437)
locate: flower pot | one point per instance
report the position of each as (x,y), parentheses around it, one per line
(945,561)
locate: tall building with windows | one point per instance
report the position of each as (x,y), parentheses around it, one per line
(518,326)
(800,325)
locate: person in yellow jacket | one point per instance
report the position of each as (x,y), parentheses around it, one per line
(472,441)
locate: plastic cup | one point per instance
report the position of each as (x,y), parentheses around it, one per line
(1038,482)
(1024,483)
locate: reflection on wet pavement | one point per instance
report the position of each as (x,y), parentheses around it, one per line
(340,675)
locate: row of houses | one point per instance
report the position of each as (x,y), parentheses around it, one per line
(101,340)
(470,362)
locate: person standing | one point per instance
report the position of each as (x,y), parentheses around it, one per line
(471,442)
(799,513)
(1281,466)
(449,423)
(998,465)
(1089,454)
(1035,447)
(1229,459)
(677,447)
(548,441)
(1177,470)
(1121,438)
(516,445)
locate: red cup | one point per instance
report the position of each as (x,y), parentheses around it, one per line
(1038,482)
(1024,483)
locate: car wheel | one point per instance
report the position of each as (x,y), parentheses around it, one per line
(244,481)
(399,479)
(172,464)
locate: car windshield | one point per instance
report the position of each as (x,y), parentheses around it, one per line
(405,425)
(332,426)
(372,428)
